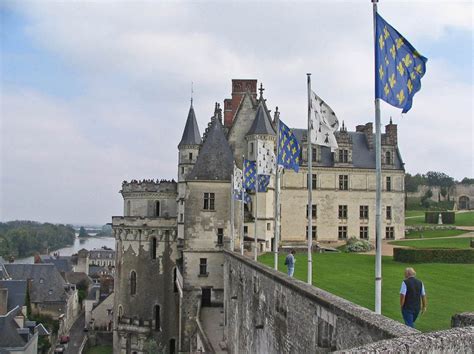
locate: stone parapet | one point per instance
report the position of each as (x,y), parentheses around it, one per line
(149,185)
(464,319)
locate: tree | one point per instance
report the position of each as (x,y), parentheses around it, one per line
(412,182)
(83,232)
(467,180)
(439,179)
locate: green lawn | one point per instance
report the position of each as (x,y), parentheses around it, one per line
(462,219)
(410,213)
(462,242)
(101,349)
(449,287)
(434,233)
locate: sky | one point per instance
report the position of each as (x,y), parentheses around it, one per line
(96,92)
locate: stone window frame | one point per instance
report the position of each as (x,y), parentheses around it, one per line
(343,156)
(342,232)
(209,200)
(203,267)
(364,232)
(314,232)
(363,212)
(314,211)
(190,156)
(220,236)
(133,282)
(314,181)
(388,183)
(157,317)
(343,211)
(153,247)
(157,208)
(389,232)
(344,182)
(388,158)
(388,212)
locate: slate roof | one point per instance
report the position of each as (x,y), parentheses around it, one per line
(62,264)
(362,156)
(10,338)
(191,135)
(16,292)
(215,160)
(102,254)
(47,285)
(262,123)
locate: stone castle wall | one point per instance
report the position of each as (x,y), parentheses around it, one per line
(268,312)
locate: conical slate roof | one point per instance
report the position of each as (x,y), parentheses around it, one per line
(215,160)
(261,123)
(191,135)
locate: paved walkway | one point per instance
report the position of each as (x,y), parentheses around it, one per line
(212,320)
(76,335)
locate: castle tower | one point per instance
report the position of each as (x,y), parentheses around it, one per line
(262,132)
(188,149)
(146,298)
(206,227)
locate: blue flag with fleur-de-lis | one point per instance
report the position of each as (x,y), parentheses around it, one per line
(289,149)
(250,177)
(398,67)
(263,181)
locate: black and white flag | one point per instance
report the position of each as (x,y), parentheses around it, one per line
(324,123)
(266,159)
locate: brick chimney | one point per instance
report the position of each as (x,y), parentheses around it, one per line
(239,88)
(3,301)
(391,133)
(369,134)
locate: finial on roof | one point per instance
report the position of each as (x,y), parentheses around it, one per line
(192,92)
(343,126)
(391,120)
(276,115)
(261,89)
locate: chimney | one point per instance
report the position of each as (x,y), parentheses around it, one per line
(369,134)
(391,133)
(3,301)
(360,128)
(239,88)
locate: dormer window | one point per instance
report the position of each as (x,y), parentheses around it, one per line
(190,156)
(388,158)
(157,208)
(343,155)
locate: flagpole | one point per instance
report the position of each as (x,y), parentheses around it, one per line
(378,192)
(256,216)
(277,197)
(310,198)
(232,226)
(242,210)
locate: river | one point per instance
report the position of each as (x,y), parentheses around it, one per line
(88,243)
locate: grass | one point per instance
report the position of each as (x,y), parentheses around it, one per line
(434,233)
(462,219)
(351,276)
(411,213)
(460,243)
(101,349)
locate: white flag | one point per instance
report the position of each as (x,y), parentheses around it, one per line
(323,123)
(266,160)
(237,179)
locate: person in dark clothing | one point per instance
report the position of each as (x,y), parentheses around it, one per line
(412,297)
(290,262)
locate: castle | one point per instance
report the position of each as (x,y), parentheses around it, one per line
(172,240)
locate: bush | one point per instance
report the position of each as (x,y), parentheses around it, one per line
(409,255)
(431,217)
(357,245)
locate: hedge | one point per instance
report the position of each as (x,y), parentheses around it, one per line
(431,217)
(410,255)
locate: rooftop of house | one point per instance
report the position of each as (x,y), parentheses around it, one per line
(12,336)
(101,254)
(16,292)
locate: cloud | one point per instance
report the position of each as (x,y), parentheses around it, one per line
(64,158)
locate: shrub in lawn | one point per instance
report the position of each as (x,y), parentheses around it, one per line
(431,217)
(357,245)
(409,255)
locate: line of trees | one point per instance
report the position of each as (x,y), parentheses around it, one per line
(24,238)
(433,179)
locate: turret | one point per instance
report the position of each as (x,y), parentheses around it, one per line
(188,146)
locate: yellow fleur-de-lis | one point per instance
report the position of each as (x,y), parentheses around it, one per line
(297,160)
(410,86)
(407,60)
(400,68)
(385,32)
(393,51)
(293,151)
(399,42)
(381,42)
(386,90)
(418,69)
(392,81)
(386,61)
(381,72)
(401,96)
(413,75)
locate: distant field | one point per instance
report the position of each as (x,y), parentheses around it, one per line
(351,276)
(434,233)
(411,213)
(459,243)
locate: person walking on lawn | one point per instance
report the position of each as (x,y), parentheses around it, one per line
(290,262)
(412,296)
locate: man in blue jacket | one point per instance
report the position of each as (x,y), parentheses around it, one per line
(412,296)
(290,262)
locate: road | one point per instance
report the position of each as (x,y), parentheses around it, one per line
(76,335)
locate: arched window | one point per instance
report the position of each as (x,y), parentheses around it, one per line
(388,157)
(157,313)
(153,248)
(128,212)
(133,283)
(157,208)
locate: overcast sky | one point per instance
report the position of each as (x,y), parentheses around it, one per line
(97,92)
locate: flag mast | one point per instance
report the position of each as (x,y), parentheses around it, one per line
(242,211)
(255,252)
(277,195)
(310,199)
(378,179)
(232,226)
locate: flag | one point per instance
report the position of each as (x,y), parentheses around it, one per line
(250,174)
(289,149)
(398,67)
(263,181)
(323,123)
(266,161)
(238,186)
